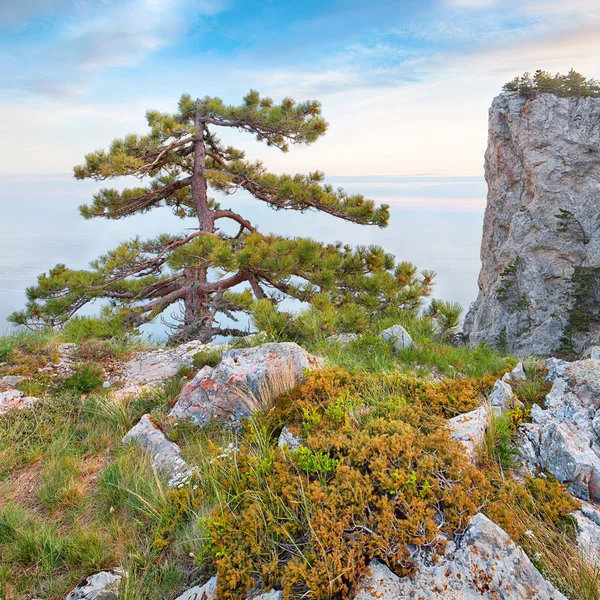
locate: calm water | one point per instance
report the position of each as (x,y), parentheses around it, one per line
(435,223)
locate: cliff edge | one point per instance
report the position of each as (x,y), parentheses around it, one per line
(539,285)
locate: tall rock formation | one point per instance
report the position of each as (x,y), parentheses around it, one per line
(542,161)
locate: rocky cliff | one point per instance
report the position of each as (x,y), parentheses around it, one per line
(539,285)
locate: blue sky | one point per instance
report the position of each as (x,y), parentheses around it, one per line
(405,84)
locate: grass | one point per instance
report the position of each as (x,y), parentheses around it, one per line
(73,501)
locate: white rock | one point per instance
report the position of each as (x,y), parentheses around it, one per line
(101,586)
(208,591)
(398,337)
(166,454)
(517,374)
(469,429)
(15,400)
(244,381)
(486,566)
(288,439)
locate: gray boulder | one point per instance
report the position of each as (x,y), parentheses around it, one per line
(398,337)
(563,437)
(487,565)
(101,586)
(15,400)
(469,429)
(543,154)
(244,381)
(166,454)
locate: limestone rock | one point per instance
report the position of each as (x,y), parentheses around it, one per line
(469,429)
(15,400)
(398,337)
(543,154)
(588,531)
(101,586)
(563,437)
(517,374)
(244,381)
(287,438)
(9,382)
(166,455)
(501,397)
(595,352)
(149,369)
(486,566)
(208,591)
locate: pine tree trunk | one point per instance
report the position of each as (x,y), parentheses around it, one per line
(197,315)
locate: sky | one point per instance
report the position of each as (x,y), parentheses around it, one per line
(405,86)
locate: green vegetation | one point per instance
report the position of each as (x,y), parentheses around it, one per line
(225,266)
(542,82)
(209,358)
(376,466)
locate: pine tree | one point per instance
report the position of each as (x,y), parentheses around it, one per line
(208,273)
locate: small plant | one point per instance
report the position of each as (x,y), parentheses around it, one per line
(509,281)
(85,379)
(210,358)
(318,463)
(446,315)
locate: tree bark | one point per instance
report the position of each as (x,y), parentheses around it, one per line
(196,312)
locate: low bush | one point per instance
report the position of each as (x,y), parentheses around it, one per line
(85,379)
(210,358)
(370,481)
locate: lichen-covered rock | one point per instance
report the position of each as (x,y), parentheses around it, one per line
(245,380)
(543,155)
(398,337)
(288,439)
(563,437)
(150,368)
(486,566)
(166,454)
(101,586)
(15,400)
(469,429)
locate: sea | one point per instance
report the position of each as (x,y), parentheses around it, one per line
(435,222)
